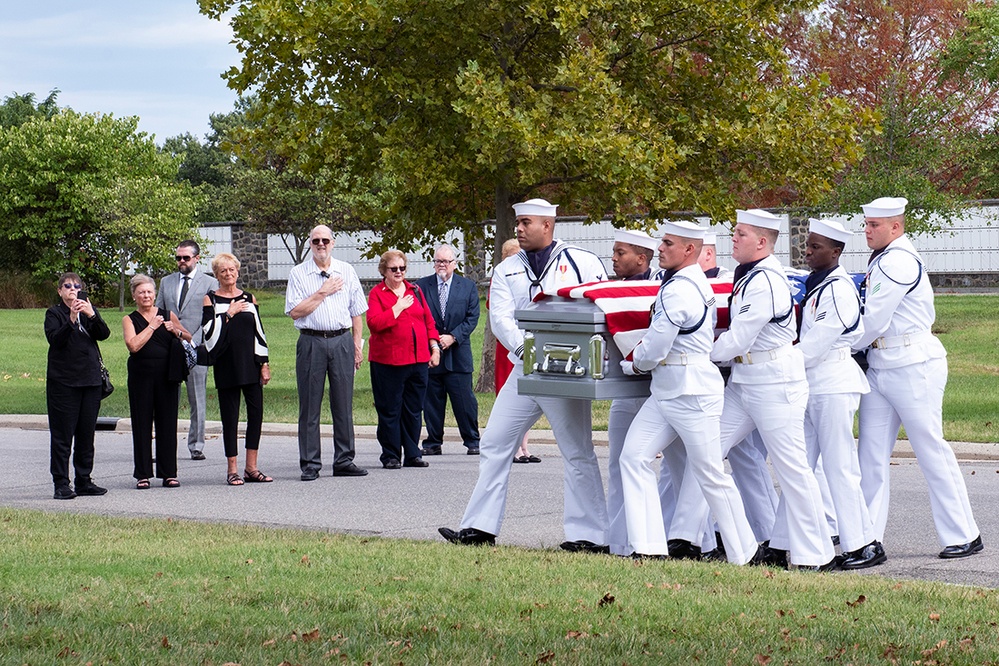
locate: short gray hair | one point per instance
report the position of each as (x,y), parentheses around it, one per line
(140,279)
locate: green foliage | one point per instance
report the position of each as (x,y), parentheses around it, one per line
(18,109)
(92,194)
(438,115)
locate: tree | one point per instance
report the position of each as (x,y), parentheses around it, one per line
(17,109)
(928,71)
(84,189)
(435,116)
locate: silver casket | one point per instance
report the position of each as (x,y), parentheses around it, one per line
(569,353)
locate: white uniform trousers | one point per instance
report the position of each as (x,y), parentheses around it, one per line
(778,412)
(748,460)
(622,413)
(913,396)
(585,513)
(690,421)
(829,433)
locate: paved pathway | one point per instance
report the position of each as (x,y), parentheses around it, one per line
(413,503)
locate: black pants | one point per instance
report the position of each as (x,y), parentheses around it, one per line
(253,394)
(72,416)
(153,399)
(398,391)
(458,387)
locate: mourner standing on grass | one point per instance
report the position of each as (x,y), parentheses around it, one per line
(907,373)
(543,266)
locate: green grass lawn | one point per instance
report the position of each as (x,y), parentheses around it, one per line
(966,324)
(91,590)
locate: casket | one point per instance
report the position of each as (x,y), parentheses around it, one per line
(569,353)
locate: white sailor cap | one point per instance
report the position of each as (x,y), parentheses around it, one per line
(830,229)
(683,229)
(710,238)
(639,238)
(885,207)
(758,218)
(537,207)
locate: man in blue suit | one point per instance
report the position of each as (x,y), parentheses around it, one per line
(454,303)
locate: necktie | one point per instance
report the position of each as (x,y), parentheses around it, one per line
(443,295)
(183,292)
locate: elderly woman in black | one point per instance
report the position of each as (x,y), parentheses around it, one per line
(153,383)
(237,348)
(73,386)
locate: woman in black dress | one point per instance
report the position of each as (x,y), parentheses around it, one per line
(237,348)
(154,377)
(73,386)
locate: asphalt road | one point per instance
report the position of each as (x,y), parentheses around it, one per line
(412,503)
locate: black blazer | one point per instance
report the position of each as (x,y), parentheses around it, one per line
(461,319)
(74,359)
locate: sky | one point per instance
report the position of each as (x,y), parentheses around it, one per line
(160,60)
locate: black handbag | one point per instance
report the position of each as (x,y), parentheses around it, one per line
(107,388)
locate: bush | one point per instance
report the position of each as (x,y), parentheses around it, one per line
(19,289)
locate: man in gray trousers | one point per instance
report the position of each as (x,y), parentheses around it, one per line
(183,294)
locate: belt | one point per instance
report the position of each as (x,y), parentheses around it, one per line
(754,358)
(904,340)
(683,358)
(323,334)
(838,354)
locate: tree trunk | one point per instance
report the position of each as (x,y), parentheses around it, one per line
(504,231)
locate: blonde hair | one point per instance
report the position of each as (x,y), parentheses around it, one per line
(224,256)
(390,254)
(509,248)
(138,280)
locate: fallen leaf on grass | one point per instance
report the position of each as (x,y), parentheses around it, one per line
(577,634)
(165,643)
(249,561)
(545,657)
(607,600)
(399,578)
(310,636)
(861,599)
(768,574)
(934,617)
(65,652)
(269,642)
(305,560)
(763,659)
(932,650)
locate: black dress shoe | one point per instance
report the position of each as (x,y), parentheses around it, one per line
(681,549)
(63,493)
(584,546)
(89,488)
(432,451)
(870,555)
(392,464)
(416,462)
(310,475)
(769,557)
(472,451)
(197,455)
(962,550)
(350,469)
(714,555)
(831,565)
(468,536)
(643,556)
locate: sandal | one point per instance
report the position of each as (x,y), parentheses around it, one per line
(171,483)
(522,459)
(255,476)
(142,484)
(233,479)
(533,459)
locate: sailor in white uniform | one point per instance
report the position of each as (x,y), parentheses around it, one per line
(685,405)
(830,324)
(543,266)
(631,258)
(768,390)
(907,373)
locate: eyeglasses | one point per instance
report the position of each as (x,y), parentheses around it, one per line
(397,269)
(183,257)
(324,241)
(443,262)
(73,285)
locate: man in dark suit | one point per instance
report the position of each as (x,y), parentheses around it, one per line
(183,294)
(454,303)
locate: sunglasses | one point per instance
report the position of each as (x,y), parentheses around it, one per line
(183,257)
(323,241)
(73,285)
(397,269)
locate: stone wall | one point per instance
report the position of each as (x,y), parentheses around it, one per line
(250,247)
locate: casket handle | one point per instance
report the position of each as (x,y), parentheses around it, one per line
(529,353)
(561,359)
(597,356)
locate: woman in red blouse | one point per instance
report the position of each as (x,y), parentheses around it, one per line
(403,346)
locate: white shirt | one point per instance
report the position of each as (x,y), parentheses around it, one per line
(891,309)
(833,307)
(513,288)
(760,296)
(336,310)
(180,283)
(686,300)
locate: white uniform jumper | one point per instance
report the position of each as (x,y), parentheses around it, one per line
(685,407)
(768,391)
(830,325)
(907,374)
(514,286)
